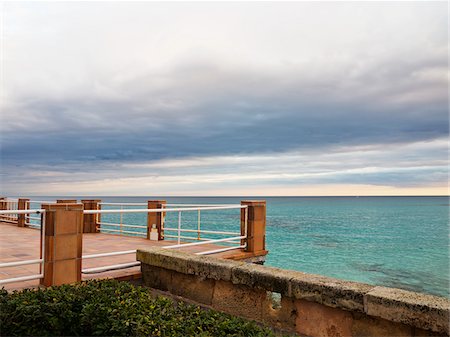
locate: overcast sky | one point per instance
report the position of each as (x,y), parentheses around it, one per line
(298,98)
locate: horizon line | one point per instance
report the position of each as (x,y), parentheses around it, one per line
(239,196)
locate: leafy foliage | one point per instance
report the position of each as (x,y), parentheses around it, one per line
(112,308)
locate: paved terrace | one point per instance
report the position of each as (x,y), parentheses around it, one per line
(23,243)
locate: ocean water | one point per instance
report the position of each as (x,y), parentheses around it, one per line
(398,242)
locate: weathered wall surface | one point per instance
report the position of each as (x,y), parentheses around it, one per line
(310,305)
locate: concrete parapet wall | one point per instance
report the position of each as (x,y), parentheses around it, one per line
(310,305)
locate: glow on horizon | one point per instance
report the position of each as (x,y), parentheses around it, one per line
(273,191)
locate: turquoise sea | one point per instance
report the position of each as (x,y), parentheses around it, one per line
(398,242)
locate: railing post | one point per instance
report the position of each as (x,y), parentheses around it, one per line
(63,243)
(22,204)
(90,221)
(66,201)
(156,218)
(255,216)
(198,225)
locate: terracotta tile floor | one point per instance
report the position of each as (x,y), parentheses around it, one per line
(17,244)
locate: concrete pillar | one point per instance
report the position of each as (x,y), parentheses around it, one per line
(256,225)
(91,221)
(63,243)
(66,201)
(156,218)
(22,204)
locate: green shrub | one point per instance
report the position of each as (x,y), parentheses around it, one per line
(112,308)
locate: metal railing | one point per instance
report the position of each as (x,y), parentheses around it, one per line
(122,227)
(26,262)
(145,204)
(96,270)
(13,204)
(9,205)
(41,202)
(34,221)
(191,207)
(236,238)
(123,203)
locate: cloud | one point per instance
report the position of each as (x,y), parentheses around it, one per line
(419,165)
(107,87)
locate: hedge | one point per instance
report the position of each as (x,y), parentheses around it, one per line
(112,308)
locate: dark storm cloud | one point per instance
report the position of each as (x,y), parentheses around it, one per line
(242,113)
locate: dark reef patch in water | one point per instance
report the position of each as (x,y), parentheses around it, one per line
(414,281)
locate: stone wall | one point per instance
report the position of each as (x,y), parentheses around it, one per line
(310,305)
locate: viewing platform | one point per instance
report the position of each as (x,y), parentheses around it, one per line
(66,241)
(63,241)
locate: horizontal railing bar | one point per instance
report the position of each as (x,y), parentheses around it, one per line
(116,224)
(205,242)
(202,205)
(24,211)
(34,218)
(41,202)
(220,250)
(185,237)
(193,238)
(124,252)
(20,263)
(159,210)
(33,225)
(7,220)
(111,267)
(145,204)
(118,230)
(123,204)
(200,231)
(21,279)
